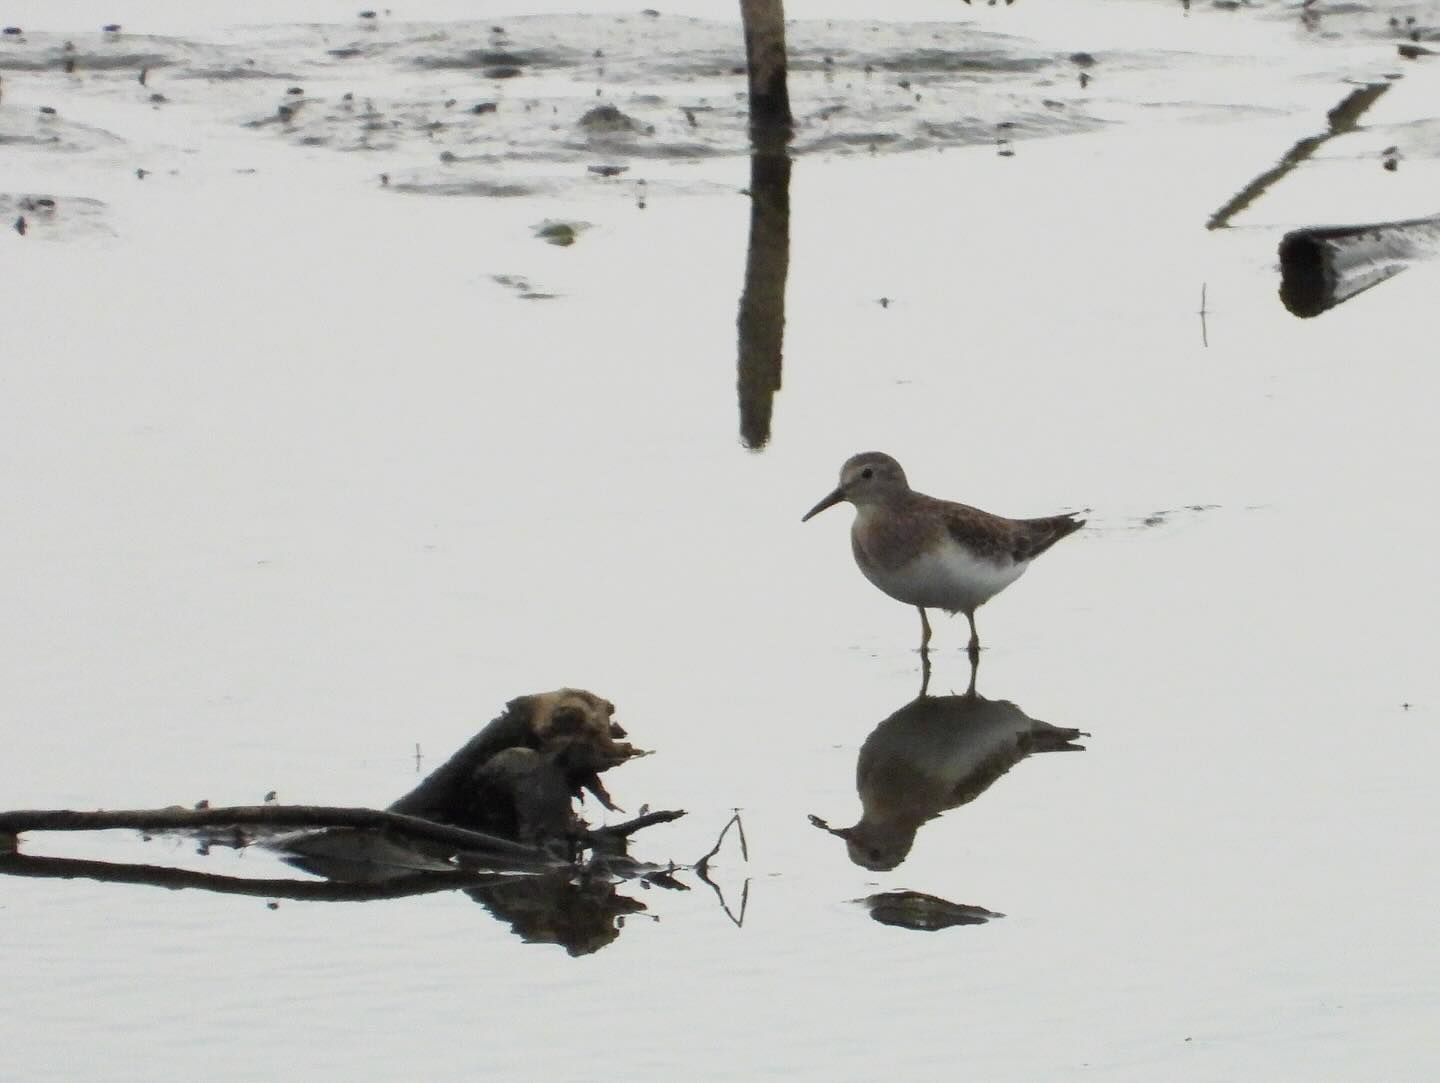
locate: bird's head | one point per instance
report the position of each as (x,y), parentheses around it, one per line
(867,478)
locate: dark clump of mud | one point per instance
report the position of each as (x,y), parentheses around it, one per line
(672,90)
(490,61)
(607,120)
(33,214)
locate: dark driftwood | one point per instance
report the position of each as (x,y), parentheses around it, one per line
(507,794)
(505,801)
(517,776)
(273,816)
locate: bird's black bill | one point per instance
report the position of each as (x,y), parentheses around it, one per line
(829,502)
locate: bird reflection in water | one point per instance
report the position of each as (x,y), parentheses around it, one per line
(933,754)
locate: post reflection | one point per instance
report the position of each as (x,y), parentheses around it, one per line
(934,754)
(761,323)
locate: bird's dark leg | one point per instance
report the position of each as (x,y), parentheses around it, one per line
(974,673)
(974,639)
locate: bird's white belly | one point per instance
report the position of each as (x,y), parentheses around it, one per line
(947,578)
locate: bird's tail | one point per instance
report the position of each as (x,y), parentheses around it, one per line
(1045,532)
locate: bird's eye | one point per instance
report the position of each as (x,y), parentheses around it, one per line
(867,473)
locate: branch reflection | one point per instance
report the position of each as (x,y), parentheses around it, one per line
(580,910)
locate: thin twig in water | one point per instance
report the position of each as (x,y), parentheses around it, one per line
(702,870)
(703,865)
(1204,330)
(738,920)
(1341,119)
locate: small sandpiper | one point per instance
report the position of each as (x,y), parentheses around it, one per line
(935,554)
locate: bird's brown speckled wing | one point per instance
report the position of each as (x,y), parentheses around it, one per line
(989,536)
(999,539)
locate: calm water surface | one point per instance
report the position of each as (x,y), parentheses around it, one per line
(297,479)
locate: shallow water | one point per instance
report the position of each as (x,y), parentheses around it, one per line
(298,478)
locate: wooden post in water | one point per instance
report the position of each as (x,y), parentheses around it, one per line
(762,304)
(764,22)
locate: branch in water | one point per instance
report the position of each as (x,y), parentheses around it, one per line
(629,827)
(312,816)
(65,868)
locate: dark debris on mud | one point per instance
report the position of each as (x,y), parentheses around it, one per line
(452,106)
(40,215)
(465,109)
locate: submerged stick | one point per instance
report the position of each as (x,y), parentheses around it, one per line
(1345,117)
(703,865)
(702,870)
(313,816)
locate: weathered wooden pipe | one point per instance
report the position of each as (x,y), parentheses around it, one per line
(1322,266)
